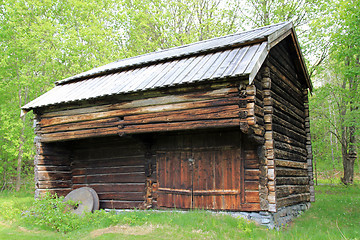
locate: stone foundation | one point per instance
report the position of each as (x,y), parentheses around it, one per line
(274,220)
(270,220)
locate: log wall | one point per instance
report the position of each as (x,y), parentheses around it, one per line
(52,168)
(212,106)
(114,167)
(286,131)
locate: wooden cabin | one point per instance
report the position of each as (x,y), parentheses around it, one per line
(221,124)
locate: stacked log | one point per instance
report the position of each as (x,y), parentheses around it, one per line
(288,129)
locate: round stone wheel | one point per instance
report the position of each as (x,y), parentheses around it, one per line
(83,198)
(95,197)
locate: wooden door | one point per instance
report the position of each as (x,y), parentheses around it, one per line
(202,179)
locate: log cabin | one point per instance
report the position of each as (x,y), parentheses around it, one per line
(220,124)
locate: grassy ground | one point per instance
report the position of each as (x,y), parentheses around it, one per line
(334,215)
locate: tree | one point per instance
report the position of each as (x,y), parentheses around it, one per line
(41,42)
(346,54)
(339,78)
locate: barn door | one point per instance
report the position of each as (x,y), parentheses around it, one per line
(203,179)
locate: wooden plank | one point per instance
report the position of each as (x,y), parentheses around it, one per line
(70,135)
(101,123)
(122,196)
(251,207)
(252,197)
(104,170)
(293,199)
(293,99)
(251,185)
(199,95)
(221,112)
(252,174)
(288,125)
(283,80)
(116,204)
(113,187)
(111,162)
(282,172)
(58,191)
(52,168)
(289,133)
(110,178)
(162,127)
(286,109)
(139,110)
(290,164)
(287,190)
(292,180)
(280,154)
(286,139)
(53,184)
(51,176)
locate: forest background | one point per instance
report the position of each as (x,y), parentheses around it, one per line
(45,41)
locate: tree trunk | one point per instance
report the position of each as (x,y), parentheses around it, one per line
(20,155)
(349,153)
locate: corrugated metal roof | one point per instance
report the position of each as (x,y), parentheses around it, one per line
(229,56)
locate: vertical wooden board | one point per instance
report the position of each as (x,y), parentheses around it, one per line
(230,158)
(177,178)
(209,179)
(160,172)
(218,180)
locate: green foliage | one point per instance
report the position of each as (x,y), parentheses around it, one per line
(334,215)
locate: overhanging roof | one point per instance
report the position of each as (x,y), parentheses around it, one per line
(240,54)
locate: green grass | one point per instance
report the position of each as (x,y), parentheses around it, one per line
(334,215)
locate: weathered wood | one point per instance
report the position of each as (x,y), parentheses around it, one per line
(282,172)
(115,160)
(283,80)
(50,176)
(289,119)
(289,156)
(161,127)
(287,190)
(101,123)
(252,174)
(252,197)
(69,135)
(289,133)
(292,180)
(58,191)
(250,207)
(252,164)
(279,121)
(283,138)
(110,178)
(122,196)
(113,187)
(53,184)
(140,110)
(293,199)
(144,100)
(290,164)
(286,108)
(222,112)
(104,170)
(290,148)
(293,99)
(117,204)
(251,185)
(52,168)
